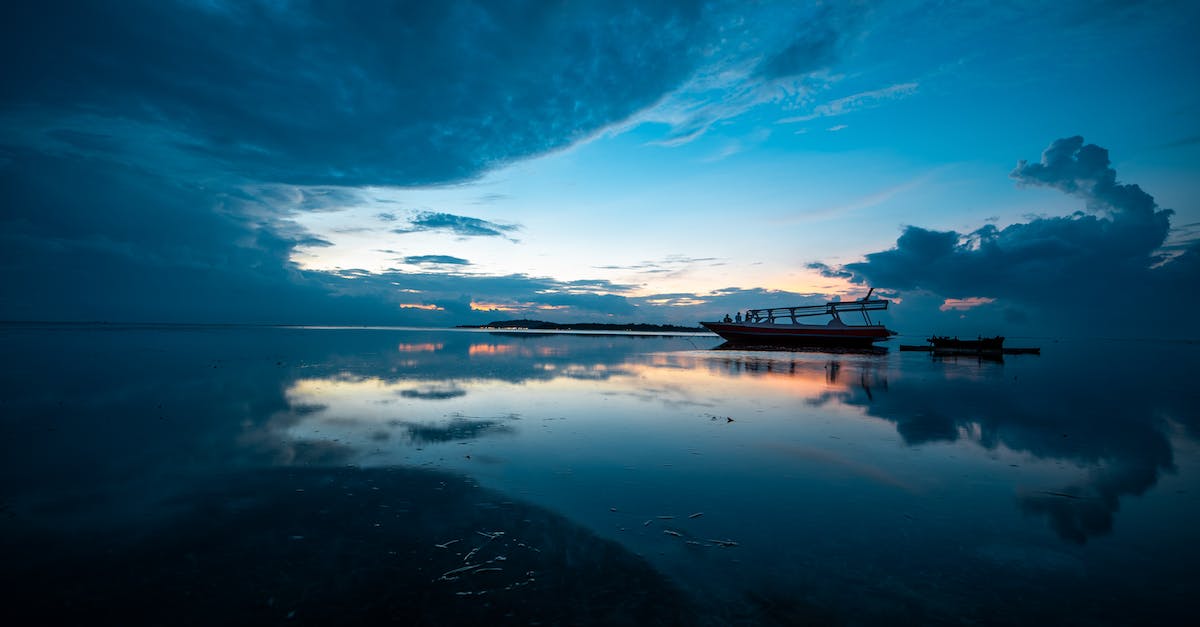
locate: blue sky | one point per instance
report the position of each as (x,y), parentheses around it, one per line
(459,162)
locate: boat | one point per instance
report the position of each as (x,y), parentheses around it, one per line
(980,344)
(782,326)
(941,345)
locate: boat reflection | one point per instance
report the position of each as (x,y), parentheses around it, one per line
(832,350)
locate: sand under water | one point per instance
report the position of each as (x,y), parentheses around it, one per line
(334,546)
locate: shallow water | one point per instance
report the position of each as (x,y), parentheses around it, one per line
(191,474)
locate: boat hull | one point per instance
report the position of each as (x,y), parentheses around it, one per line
(798,334)
(976,345)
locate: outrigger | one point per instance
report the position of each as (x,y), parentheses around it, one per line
(782,326)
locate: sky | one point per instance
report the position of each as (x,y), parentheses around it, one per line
(1020,168)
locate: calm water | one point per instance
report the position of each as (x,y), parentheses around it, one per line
(190,475)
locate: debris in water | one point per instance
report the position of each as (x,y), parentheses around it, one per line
(474,568)
(647,523)
(665,517)
(672,533)
(446,575)
(696,515)
(725,543)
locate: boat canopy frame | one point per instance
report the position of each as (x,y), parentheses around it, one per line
(834,309)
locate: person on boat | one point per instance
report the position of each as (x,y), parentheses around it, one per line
(737,317)
(727,318)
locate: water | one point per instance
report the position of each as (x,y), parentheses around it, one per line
(189,475)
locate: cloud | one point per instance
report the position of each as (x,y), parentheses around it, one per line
(780,55)
(964,304)
(830,271)
(600,285)
(670,265)
(436,260)
(1182,142)
(488,199)
(814,46)
(88,239)
(377,93)
(153,155)
(459,225)
(862,100)
(691,307)
(1111,251)
(459,296)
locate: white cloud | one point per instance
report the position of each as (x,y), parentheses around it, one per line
(862,100)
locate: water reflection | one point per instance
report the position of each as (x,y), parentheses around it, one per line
(1122,450)
(1118,435)
(457,428)
(1120,444)
(833,476)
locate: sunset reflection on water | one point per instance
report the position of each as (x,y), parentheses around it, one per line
(816,475)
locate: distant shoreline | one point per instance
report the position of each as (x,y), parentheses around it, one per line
(541,325)
(504,325)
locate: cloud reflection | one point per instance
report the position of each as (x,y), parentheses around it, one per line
(1044,408)
(458,428)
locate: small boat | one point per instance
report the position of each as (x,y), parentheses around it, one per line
(981,344)
(781,326)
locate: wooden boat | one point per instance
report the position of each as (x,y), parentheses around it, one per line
(980,344)
(781,326)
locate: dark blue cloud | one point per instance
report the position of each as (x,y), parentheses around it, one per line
(1112,252)
(467,298)
(436,259)
(830,271)
(371,92)
(585,285)
(816,45)
(459,225)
